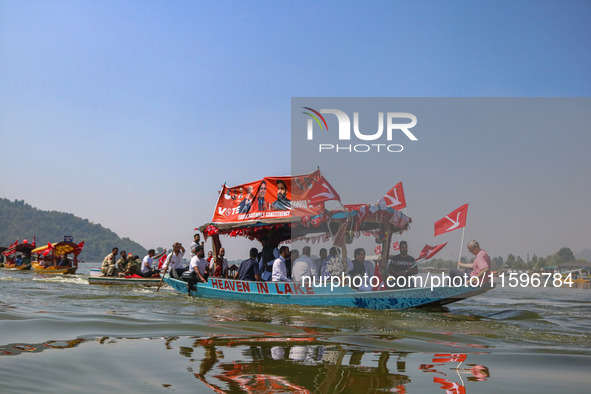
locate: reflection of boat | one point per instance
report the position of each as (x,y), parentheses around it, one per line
(109,280)
(309,220)
(282,365)
(12,256)
(18,348)
(54,251)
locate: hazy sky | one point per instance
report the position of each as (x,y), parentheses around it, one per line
(133,113)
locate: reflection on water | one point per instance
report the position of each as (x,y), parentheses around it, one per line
(512,340)
(308,365)
(17,348)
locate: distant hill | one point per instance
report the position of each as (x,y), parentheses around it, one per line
(19,220)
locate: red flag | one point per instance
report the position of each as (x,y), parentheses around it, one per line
(80,245)
(453,221)
(161,261)
(395,197)
(34,240)
(378,275)
(321,191)
(395,246)
(49,248)
(450,387)
(430,251)
(378,249)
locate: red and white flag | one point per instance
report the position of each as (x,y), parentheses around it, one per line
(395,197)
(378,249)
(452,221)
(161,261)
(430,251)
(395,246)
(321,191)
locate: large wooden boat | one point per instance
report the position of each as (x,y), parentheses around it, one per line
(301,216)
(110,280)
(295,294)
(46,254)
(11,254)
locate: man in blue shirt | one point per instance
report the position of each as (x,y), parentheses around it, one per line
(249,269)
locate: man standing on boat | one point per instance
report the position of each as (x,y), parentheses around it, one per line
(195,243)
(279,267)
(174,261)
(480,266)
(402,265)
(109,266)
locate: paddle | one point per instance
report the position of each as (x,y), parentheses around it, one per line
(165,269)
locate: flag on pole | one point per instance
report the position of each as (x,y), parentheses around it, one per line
(161,261)
(395,246)
(430,251)
(394,198)
(452,221)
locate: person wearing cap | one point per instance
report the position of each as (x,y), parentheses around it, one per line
(249,269)
(174,261)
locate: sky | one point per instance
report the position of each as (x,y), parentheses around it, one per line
(132,114)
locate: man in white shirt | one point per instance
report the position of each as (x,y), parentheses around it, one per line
(303,266)
(146,270)
(279,268)
(199,266)
(174,261)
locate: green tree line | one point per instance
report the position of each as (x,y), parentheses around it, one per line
(517,263)
(19,220)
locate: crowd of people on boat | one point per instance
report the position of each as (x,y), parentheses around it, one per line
(275,264)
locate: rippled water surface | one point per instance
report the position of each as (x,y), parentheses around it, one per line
(59,334)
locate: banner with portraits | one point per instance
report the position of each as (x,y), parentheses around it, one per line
(274,198)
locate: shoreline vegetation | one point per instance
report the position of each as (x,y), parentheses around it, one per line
(19,220)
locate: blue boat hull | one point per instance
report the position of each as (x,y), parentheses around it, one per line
(293,293)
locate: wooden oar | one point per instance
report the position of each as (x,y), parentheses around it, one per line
(165,269)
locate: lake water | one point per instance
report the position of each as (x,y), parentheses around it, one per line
(59,334)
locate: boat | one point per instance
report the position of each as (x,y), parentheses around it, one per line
(307,219)
(55,250)
(110,280)
(294,293)
(15,250)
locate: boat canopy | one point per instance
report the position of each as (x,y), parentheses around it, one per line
(19,248)
(298,212)
(59,248)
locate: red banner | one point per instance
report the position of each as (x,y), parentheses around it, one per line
(453,221)
(395,246)
(274,198)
